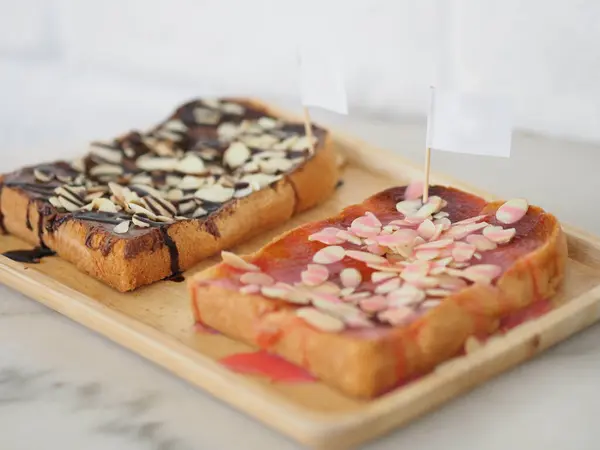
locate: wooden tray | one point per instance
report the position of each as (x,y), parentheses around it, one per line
(156,322)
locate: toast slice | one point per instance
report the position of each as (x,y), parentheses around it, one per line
(389,288)
(149,205)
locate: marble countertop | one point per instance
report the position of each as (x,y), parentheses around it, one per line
(65,387)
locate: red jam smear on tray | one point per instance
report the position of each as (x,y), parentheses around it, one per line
(270,366)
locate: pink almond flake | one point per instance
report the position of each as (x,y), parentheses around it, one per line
(387,286)
(485,273)
(471,220)
(250,289)
(481,242)
(401,237)
(327,236)
(350,277)
(314,275)
(366,257)
(498,234)
(258,278)
(429,304)
(329,255)
(426,229)
(373,304)
(462,251)
(512,211)
(441,243)
(349,237)
(236,262)
(376,249)
(366,226)
(438,230)
(427,254)
(415,270)
(397,316)
(444,222)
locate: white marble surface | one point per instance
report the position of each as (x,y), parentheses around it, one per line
(64,387)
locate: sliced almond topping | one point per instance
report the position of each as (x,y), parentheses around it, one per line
(481,242)
(376,249)
(138,222)
(441,215)
(150,164)
(427,254)
(299,296)
(268,123)
(451,283)
(189,182)
(357,296)
(349,237)
(350,277)
(408,207)
(122,228)
(236,155)
(215,193)
(314,275)
(438,292)
(461,231)
(346,291)
(137,209)
(68,205)
(206,116)
(110,155)
(358,321)
(498,234)
(106,170)
(42,176)
(190,164)
(327,288)
(303,143)
(424,282)
(233,108)
(463,252)
(366,226)
(444,222)
(329,255)
(104,204)
(175,125)
(470,220)
(366,257)
(261,180)
(326,236)
(415,271)
(199,212)
(275,165)
(397,316)
(233,260)
(378,277)
(426,210)
(257,278)
(279,291)
(175,195)
(512,211)
(414,190)
(250,289)
(406,295)
(320,320)
(482,273)
(373,304)
(55,201)
(388,286)
(426,229)
(429,304)
(401,237)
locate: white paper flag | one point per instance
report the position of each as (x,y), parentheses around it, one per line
(322,78)
(469,123)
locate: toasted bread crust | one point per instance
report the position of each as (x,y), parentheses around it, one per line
(126,263)
(367,367)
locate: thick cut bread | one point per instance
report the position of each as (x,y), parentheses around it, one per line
(366,346)
(212,175)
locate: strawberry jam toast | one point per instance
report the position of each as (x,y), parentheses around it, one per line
(150,204)
(387,289)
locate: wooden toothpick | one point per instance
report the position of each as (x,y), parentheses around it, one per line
(308,130)
(426,181)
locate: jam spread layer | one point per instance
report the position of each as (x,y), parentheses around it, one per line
(387,261)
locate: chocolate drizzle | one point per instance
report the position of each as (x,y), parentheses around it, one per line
(32,256)
(173,253)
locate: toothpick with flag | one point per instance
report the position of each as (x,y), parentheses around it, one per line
(321,81)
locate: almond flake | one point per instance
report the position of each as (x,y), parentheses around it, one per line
(106,170)
(326,236)
(346,291)
(189,182)
(427,254)
(378,277)
(350,278)
(233,108)
(470,220)
(205,116)
(215,193)
(426,211)
(450,282)
(444,222)
(349,237)
(138,222)
(429,304)
(277,291)
(463,252)
(68,205)
(406,295)
(481,243)
(250,289)
(175,125)
(366,226)
(314,275)
(426,229)
(438,292)
(110,155)
(261,180)
(512,211)
(187,207)
(55,201)
(236,155)
(415,271)
(327,288)
(366,257)
(42,176)
(137,209)
(199,212)
(78,165)
(150,164)
(397,316)
(191,165)
(268,123)
(498,234)
(175,195)
(103,204)
(320,320)
(122,228)
(233,260)
(414,190)
(257,278)
(329,255)
(424,282)
(303,143)
(299,296)
(484,273)
(357,296)
(275,165)
(388,286)
(373,304)
(401,237)
(408,207)
(441,215)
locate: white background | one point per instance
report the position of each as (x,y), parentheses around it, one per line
(85,69)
